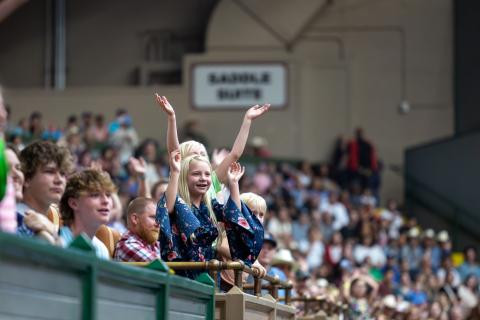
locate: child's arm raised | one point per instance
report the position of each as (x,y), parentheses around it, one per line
(172,188)
(241,140)
(172,136)
(235,172)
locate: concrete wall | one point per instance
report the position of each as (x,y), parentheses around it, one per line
(104,38)
(351,64)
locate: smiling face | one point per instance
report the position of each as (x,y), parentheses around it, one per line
(92,208)
(198,178)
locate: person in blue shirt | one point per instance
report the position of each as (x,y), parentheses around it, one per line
(45,167)
(188,216)
(470,266)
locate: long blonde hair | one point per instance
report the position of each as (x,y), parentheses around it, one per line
(183,190)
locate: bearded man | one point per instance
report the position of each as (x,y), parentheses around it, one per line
(140,242)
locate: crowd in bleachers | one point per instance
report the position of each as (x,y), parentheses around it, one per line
(325,227)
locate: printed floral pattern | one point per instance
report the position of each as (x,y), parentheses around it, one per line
(188,234)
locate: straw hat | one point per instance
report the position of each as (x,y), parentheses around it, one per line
(429,233)
(443,236)
(283,257)
(413,233)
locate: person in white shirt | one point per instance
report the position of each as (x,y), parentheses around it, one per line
(337,210)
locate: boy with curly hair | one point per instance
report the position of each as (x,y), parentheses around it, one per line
(45,167)
(85,206)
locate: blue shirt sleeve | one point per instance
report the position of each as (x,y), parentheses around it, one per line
(22,229)
(244,232)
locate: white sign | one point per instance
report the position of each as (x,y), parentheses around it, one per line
(238,85)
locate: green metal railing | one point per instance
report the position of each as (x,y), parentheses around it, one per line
(38,280)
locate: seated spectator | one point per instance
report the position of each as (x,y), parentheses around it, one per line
(470,266)
(371,250)
(413,252)
(431,248)
(85,206)
(44,166)
(337,210)
(417,296)
(316,249)
(300,231)
(468,293)
(281,227)
(447,266)
(140,242)
(353,229)
(283,265)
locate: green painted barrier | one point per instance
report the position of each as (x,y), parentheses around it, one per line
(40,281)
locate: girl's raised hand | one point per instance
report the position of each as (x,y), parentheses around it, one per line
(175,160)
(164,104)
(235,172)
(256,111)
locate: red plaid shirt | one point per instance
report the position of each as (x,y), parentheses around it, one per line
(132,248)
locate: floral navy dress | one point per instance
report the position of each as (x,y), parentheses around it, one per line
(189,234)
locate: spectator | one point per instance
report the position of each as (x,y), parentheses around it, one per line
(125,138)
(368,249)
(120,115)
(413,252)
(281,227)
(35,126)
(333,251)
(258,207)
(149,150)
(300,231)
(316,250)
(431,249)
(468,293)
(337,210)
(85,206)
(45,167)
(140,242)
(283,265)
(470,266)
(362,159)
(99,131)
